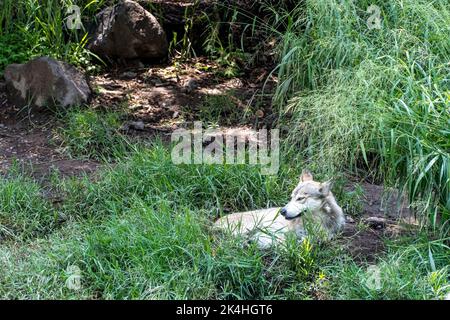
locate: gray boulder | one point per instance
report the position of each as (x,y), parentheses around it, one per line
(128,31)
(46,82)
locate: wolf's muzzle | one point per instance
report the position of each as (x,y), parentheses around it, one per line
(283,212)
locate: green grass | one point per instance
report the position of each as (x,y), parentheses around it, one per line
(42,29)
(371,100)
(92,134)
(412,269)
(24,213)
(145,233)
(220,109)
(151,175)
(142,230)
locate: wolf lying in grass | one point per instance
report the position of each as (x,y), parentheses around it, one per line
(311,201)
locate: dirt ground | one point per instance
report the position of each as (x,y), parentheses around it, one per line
(385,214)
(165,98)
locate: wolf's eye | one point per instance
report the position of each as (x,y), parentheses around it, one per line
(300,198)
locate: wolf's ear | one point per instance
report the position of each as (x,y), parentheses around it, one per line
(325,187)
(306,175)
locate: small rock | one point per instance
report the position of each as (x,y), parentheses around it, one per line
(376,222)
(259,113)
(137,125)
(128,75)
(190,86)
(349,219)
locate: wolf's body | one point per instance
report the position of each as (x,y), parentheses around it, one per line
(311,201)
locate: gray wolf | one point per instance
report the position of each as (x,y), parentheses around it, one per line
(312,203)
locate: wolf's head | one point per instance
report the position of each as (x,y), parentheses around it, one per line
(309,195)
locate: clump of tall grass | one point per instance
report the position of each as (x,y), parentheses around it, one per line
(92,134)
(372,99)
(24,213)
(150,174)
(415,270)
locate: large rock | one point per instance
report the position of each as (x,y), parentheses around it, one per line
(46,82)
(128,31)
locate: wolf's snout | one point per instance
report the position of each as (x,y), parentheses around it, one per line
(292,210)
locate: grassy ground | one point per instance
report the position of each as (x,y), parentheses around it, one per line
(142,230)
(373,102)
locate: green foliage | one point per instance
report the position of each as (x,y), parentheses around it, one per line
(92,134)
(351,201)
(12,50)
(146,233)
(373,99)
(150,174)
(221,46)
(31,28)
(417,270)
(142,230)
(220,109)
(23,211)
(184,47)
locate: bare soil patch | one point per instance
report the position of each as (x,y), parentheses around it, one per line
(385,214)
(27,140)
